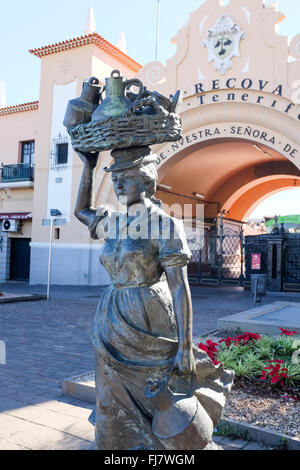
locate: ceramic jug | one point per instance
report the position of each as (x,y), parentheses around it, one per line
(179,420)
(116,102)
(80,110)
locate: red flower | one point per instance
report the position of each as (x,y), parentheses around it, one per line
(227,341)
(277,373)
(254,336)
(274,379)
(240,339)
(263,375)
(212,345)
(203,347)
(285,332)
(211,350)
(247,337)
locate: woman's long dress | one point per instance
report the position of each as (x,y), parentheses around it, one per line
(135,333)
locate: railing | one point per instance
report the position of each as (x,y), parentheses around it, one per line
(17,172)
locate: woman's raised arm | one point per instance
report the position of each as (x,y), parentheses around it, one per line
(83,208)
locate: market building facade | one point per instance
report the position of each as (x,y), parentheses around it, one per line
(241,139)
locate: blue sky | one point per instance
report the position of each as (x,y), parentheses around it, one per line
(28,24)
(283,203)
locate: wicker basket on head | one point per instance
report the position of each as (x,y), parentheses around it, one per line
(130,130)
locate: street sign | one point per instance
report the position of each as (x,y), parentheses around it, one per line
(59,221)
(54,212)
(256,261)
(55,222)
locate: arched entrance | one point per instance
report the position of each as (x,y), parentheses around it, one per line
(251,173)
(234,174)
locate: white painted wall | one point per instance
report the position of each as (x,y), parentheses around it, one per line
(59,194)
(72,264)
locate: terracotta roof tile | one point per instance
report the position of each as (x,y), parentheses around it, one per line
(92,38)
(18,108)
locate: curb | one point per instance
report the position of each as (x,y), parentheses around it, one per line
(77,387)
(22,298)
(261,435)
(256,320)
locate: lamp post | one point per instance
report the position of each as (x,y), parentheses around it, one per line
(53,213)
(157,29)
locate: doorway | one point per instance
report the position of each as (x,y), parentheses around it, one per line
(19,259)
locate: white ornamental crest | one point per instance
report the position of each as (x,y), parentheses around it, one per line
(223,43)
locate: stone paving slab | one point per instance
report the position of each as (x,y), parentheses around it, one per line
(9,445)
(10,425)
(66,409)
(37,437)
(7,403)
(48,418)
(39,428)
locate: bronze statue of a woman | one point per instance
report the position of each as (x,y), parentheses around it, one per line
(155,390)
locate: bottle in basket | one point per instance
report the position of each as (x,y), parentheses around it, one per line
(116,102)
(80,109)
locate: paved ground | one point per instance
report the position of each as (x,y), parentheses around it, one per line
(48,340)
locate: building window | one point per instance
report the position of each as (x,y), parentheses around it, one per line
(61,154)
(27,152)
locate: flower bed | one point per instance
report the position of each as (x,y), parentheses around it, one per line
(265,357)
(266,389)
(263,405)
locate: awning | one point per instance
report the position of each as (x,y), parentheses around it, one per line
(16,216)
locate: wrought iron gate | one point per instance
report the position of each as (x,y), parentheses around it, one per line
(217,257)
(291,262)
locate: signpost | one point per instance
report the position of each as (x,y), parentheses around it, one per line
(52,222)
(258,281)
